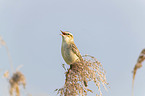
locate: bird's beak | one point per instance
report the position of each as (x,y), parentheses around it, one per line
(63,33)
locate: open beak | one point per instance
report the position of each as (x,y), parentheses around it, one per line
(63,33)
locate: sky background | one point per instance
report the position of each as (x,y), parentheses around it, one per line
(113,31)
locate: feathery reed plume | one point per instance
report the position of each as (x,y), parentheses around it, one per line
(17,79)
(90,70)
(138,65)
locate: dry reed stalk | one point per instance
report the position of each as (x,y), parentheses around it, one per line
(3,43)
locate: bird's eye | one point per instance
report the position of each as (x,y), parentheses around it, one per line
(67,34)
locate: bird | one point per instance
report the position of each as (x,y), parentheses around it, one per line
(69,50)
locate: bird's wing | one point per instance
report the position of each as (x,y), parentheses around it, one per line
(76,51)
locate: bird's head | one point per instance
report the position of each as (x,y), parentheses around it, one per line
(67,36)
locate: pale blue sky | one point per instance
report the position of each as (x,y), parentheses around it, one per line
(113,31)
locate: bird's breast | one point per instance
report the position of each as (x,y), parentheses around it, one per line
(68,55)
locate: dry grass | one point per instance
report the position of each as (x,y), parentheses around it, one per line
(138,65)
(79,74)
(15,81)
(17,78)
